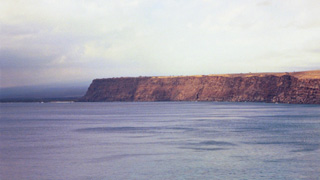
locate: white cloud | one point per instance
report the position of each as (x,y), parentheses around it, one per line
(151,37)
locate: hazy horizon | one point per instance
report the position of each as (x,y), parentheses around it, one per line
(48,42)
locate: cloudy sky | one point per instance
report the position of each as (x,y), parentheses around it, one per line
(56,41)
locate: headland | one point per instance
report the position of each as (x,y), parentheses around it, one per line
(295,87)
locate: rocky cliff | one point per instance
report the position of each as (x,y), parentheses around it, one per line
(264,87)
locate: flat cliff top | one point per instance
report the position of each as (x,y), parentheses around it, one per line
(307,74)
(300,75)
(315,74)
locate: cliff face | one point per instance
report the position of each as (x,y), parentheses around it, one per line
(266,88)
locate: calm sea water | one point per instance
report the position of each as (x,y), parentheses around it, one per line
(159,140)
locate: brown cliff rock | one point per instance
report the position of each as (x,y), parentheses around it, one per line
(298,88)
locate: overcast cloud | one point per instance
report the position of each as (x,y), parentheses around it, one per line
(49,41)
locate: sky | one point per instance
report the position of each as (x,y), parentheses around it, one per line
(68,41)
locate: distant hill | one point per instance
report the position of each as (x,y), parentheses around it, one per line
(42,93)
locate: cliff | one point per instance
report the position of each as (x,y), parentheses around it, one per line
(298,88)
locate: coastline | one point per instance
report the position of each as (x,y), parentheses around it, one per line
(295,88)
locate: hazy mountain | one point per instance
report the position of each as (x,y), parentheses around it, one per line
(44,92)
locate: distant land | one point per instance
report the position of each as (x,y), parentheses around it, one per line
(43,93)
(294,87)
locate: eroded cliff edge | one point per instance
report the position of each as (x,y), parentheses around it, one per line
(276,87)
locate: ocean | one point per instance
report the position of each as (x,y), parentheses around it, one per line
(159,141)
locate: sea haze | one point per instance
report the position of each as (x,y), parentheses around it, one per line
(159,140)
